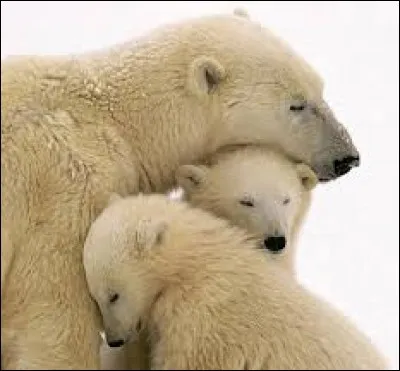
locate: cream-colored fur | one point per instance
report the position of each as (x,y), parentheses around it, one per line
(208,296)
(278,192)
(74,129)
(256,188)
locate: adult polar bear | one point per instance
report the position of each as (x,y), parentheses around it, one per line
(122,120)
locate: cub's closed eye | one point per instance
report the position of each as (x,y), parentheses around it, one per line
(247,203)
(114,298)
(297,107)
(286,201)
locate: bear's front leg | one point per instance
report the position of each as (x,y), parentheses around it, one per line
(49,320)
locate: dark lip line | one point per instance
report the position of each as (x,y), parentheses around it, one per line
(325,180)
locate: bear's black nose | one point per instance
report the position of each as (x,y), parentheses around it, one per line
(275,243)
(344,165)
(116,343)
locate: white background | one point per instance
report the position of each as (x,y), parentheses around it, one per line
(349,249)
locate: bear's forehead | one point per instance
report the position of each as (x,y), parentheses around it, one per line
(257,184)
(239,43)
(255,170)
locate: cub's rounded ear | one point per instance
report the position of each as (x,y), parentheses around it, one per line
(241,12)
(189,177)
(113,198)
(205,74)
(307,176)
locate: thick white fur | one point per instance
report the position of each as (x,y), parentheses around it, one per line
(207,295)
(74,129)
(280,192)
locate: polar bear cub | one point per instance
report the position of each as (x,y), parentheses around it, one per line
(258,189)
(207,295)
(254,187)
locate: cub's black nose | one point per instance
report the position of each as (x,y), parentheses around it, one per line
(116,343)
(275,243)
(344,165)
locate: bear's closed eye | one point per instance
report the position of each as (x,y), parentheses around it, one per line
(114,298)
(247,203)
(297,107)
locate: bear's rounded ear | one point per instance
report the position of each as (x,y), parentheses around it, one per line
(241,12)
(205,74)
(307,176)
(189,177)
(113,197)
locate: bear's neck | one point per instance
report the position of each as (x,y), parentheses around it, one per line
(151,110)
(210,278)
(137,96)
(202,252)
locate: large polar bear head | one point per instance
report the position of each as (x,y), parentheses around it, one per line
(261,91)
